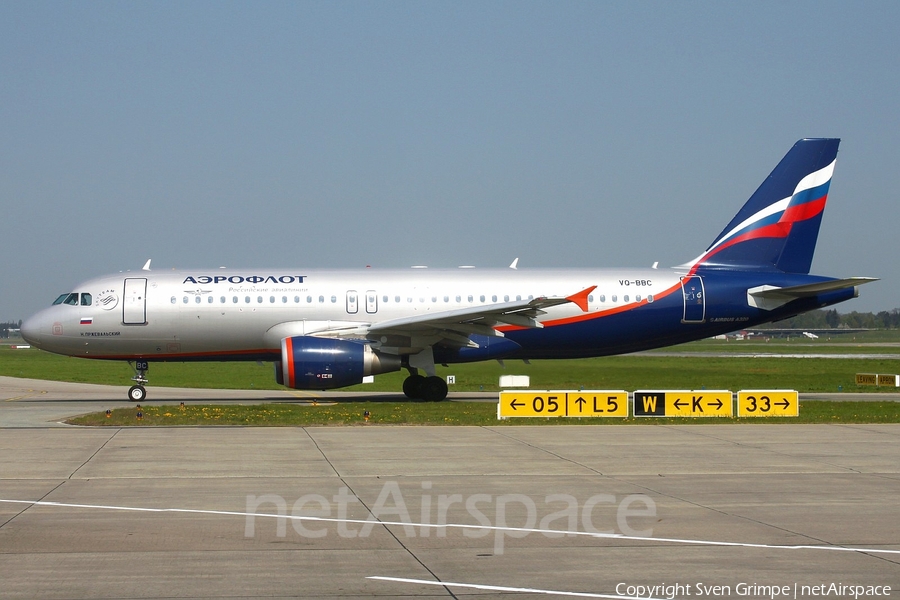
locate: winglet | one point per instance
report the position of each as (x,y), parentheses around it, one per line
(581,298)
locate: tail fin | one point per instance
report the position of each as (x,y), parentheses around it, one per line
(778,226)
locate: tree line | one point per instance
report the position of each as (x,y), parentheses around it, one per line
(832,319)
(5,327)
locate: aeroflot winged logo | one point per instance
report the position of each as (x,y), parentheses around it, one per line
(108,299)
(245,279)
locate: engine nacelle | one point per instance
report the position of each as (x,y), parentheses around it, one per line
(311,363)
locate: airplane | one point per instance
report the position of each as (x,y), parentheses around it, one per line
(326,329)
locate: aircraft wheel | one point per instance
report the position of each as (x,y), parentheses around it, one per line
(137,393)
(434,389)
(412,387)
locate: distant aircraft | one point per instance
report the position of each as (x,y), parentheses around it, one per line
(328,329)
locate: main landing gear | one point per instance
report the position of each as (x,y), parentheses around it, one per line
(137,393)
(429,389)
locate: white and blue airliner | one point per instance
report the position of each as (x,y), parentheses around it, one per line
(328,329)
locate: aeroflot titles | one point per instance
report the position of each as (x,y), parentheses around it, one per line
(299,279)
(242,279)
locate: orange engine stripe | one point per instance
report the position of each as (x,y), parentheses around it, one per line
(288,366)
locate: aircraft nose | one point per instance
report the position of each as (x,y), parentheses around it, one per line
(31,329)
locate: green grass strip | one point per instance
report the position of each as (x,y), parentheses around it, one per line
(440,413)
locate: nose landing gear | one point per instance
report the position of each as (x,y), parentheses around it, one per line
(137,393)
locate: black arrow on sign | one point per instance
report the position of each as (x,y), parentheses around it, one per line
(580,402)
(783,404)
(514,404)
(679,404)
(717,403)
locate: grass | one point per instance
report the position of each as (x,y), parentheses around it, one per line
(615,372)
(444,413)
(633,372)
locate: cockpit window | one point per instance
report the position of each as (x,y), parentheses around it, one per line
(86,300)
(67,299)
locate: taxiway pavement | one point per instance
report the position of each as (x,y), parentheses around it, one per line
(213,512)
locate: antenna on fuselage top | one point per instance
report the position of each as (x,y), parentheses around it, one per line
(146,266)
(514,264)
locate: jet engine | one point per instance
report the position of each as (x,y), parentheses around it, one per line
(311,363)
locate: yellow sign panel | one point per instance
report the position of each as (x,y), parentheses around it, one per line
(768,403)
(702,403)
(598,404)
(529,403)
(893,380)
(866,379)
(545,403)
(879,379)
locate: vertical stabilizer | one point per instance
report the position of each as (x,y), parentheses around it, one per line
(778,226)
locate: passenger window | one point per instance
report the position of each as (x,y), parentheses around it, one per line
(197,299)
(86,300)
(222,300)
(384,299)
(333,299)
(481,298)
(518,297)
(174,300)
(234,299)
(637,298)
(615,298)
(650,298)
(185,299)
(397,299)
(246,299)
(494,298)
(625,298)
(284,299)
(321,299)
(602,297)
(471,299)
(506,298)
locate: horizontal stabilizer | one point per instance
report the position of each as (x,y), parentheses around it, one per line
(770,297)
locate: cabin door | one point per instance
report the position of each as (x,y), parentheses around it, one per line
(134,306)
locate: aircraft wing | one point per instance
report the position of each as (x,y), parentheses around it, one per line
(769,297)
(455,326)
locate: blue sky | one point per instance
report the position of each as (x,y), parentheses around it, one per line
(391,134)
